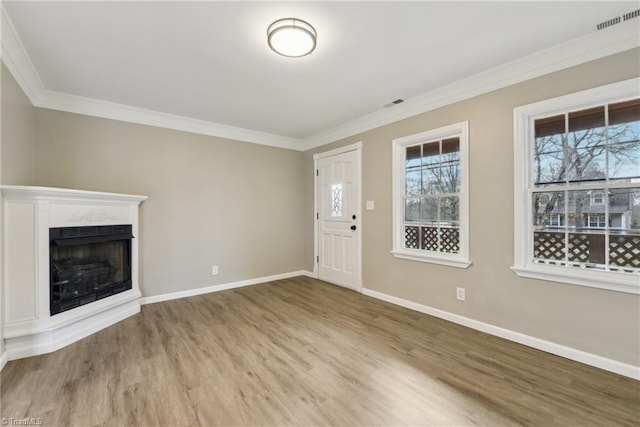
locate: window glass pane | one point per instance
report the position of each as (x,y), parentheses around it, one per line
(431,167)
(624,209)
(411,210)
(450,167)
(413,182)
(431,153)
(449,240)
(587,247)
(589,164)
(586,145)
(430,238)
(413,177)
(624,160)
(624,139)
(624,240)
(623,251)
(549,150)
(429,210)
(411,236)
(548,209)
(624,121)
(449,211)
(430,179)
(549,246)
(578,209)
(413,156)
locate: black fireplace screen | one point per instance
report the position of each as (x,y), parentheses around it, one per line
(88,264)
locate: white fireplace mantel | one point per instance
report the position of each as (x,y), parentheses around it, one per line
(29,213)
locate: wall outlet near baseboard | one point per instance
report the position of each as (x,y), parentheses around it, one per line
(214,270)
(460,294)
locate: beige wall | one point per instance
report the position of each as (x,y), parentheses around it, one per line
(17,147)
(602,322)
(211,201)
(18,133)
(248,208)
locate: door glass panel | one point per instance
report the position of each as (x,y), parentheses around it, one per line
(337,202)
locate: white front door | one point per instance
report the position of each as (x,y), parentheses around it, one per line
(338,218)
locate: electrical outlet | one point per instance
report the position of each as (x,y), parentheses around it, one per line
(460,294)
(214,270)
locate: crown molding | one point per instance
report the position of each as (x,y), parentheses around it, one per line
(599,44)
(17,60)
(593,46)
(111,110)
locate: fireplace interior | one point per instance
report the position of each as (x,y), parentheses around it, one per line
(88,264)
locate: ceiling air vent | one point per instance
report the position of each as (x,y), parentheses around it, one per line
(631,15)
(617,20)
(395,102)
(609,23)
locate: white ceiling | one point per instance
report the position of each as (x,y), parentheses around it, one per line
(210,60)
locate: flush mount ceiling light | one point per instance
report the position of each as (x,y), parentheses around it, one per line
(291,37)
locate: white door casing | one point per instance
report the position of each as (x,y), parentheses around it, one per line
(338,233)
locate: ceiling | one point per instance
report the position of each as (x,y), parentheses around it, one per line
(210,60)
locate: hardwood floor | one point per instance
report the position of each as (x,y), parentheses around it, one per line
(302,352)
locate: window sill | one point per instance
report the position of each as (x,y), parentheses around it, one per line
(609,280)
(457,262)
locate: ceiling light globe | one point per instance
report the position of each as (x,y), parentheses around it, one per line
(291,37)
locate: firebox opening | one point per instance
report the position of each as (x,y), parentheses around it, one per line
(88,264)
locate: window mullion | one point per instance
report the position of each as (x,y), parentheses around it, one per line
(566,227)
(607,230)
(565,146)
(438,229)
(421,199)
(605,196)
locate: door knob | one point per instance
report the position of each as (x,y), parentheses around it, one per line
(353,227)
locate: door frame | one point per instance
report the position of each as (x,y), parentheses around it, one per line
(357,147)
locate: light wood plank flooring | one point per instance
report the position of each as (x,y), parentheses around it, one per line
(303,352)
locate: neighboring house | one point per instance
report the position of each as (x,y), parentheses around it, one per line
(588,210)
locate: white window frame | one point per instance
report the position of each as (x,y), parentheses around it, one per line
(597,195)
(523,118)
(593,220)
(559,220)
(460,259)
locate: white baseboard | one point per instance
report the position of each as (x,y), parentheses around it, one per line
(537,343)
(4,359)
(311,274)
(221,287)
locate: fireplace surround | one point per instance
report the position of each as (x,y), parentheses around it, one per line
(70,265)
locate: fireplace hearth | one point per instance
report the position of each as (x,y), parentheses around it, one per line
(88,264)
